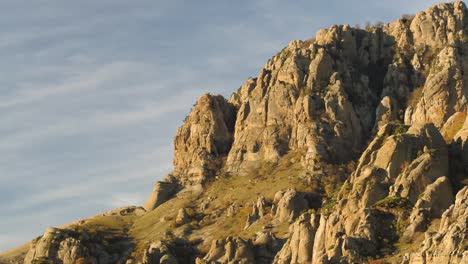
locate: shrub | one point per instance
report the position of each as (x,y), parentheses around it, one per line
(393,202)
(41,260)
(399,227)
(420,195)
(379,24)
(407,18)
(400,129)
(432,152)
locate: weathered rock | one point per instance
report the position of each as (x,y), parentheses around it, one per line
(126,210)
(339,108)
(289,205)
(158,253)
(311,98)
(440,25)
(390,167)
(449,243)
(258,211)
(66,246)
(424,169)
(203,140)
(182,217)
(453,125)
(232,209)
(386,112)
(436,198)
(266,245)
(298,247)
(444,91)
(162,192)
(230,250)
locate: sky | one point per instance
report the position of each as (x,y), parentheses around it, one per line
(92,92)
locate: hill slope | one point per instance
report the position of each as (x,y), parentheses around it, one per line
(350,147)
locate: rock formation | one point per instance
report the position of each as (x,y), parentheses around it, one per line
(449,244)
(229,250)
(258,211)
(297,248)
(158,252)
(377,120)
(260,249)
(66,246)
(288,205)
(162,192)
(204,139)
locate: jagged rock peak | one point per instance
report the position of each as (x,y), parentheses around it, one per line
(382,109)
(326,96)
(204,139)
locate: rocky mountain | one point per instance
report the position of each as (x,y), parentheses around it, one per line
(350,147)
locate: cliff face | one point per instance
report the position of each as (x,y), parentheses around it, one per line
(355,141)
(204,140)
(327,96)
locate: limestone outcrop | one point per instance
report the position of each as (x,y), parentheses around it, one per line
(67,246)
(162,191)
(356,141)
(288,205)
(444,91)
(439,25)
(261,249)
(393,171)
(204,140)
(298,247)
(449,243)
(159,253)
(303,100)
(258,211)
(230,250)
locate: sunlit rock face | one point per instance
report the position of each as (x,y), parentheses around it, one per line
(350,147)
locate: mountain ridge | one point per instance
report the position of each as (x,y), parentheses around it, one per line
(347,148)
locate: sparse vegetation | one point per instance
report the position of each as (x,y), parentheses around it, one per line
(400,129)
(42,260)
(393,202)
(432,151)
(309,144)
(407,18)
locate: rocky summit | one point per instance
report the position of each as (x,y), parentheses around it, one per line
(350,147)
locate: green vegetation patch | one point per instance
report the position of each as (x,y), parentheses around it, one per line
(393,202)
(400,129)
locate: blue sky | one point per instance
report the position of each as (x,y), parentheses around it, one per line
(92,92)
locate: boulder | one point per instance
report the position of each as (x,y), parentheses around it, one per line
(298,247)
(162,191)
(229,251)
(67,246)
(158,253)
(289,204)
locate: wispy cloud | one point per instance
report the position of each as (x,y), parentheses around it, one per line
(83,82)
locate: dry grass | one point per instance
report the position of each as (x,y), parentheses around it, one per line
(242,190)
(213,223)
